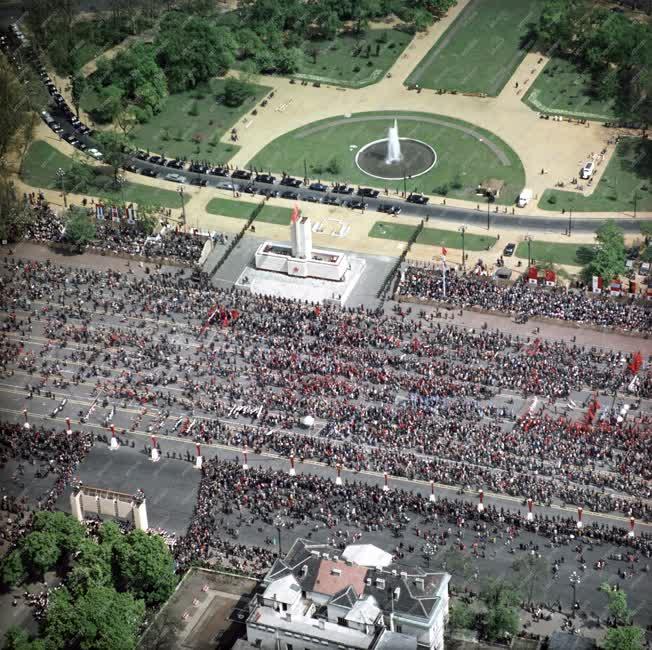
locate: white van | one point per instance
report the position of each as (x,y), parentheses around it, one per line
(524,197)
(587,170)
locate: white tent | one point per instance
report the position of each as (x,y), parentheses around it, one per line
(366,555)
(308,421)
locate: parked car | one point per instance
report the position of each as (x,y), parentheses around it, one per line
(387,208)
(265,178)
(419,199)
(311,198)
(242,174)
(288,194)
(175,178)
(342,189)
(368,192)
(355,204)
(152,173)
(95,153)
(331,200)
(291,182)
(588,170)
(508,251)
(318,187)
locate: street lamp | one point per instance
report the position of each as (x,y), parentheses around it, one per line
(570,216)
(528,239)
(121,182)
(462,229)
(489,197)
(183,205)
(636,198)
(574,581)
(62,176)
(279,524)
(428,552)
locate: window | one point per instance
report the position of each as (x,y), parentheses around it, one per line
(399,628)
(288,646)
(342,621)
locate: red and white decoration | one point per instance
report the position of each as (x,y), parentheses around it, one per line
(245,465)
(530,516)
(198,457)
(293,472)
(432,491)
(533,275)
(114,440)
(27,424)
(580,512)
(68,426)
(596,285)
(481,502)
(386,486)
(156,456)
(632,523)
(338,480)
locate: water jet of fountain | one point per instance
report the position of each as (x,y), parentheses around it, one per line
(393,146)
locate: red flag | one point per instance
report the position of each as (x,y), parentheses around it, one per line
(444,250)
(636,363)
(295,214)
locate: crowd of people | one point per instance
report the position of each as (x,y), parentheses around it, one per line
(523,299)
(264,495)
(124,238)
(396,392)
(400,393)
(46,451)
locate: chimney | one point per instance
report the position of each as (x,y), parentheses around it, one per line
(288,616)
(419,583)
(367,581)
(404,575)
(304,570)
(336,572)
(380,583)
(326,556)
(336,558)
(394,572)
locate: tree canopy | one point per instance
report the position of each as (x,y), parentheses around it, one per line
(614,49)
(609,259)
(80,228)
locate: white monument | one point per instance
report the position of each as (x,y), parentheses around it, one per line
(300,259)
(393,145)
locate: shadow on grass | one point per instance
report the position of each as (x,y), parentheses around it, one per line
(585,255)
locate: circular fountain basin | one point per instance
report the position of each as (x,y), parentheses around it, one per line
(417,159)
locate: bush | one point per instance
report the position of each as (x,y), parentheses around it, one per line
(442,189)
(236,91)
(194,109)
(552,199)
(457,183)
(334,166)
(356,68)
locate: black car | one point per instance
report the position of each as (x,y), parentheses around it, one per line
(417,198)
(131,168)
(293,196)
(198,168)
(311,198)
(271,194)
(157,160)
(177,164)
(201,182)
(242,174)
(508,251)
(318,187)
(387,208)
(368,192)
(331,200)
(342,189)
(291,182)
(218,171)
(355,204)
(152,173)
(142,155)
(265,178)
(249,189)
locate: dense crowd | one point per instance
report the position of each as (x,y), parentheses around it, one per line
(47,451)
(468,290)
(123,238)
(266,495)
(392,392)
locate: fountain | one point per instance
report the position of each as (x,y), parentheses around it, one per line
(393,146)
(394,158)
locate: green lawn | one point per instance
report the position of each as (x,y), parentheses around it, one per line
(563,89)
(344,60)
(479,52)
(431,236)
(242,210)
(628,173)
(40,170)
(466,155)
(544,251)
(175,132)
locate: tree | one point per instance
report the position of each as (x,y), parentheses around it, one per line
(80,228)
(236,91)
(101,619)
(15,215)
(14,111)
(531,572)
(501,619)
(110,102)
(144,566)
(68,532)
(624,638)
(80,176)
(113,146)
(456,563)
(461,617)
(12,570)
(618,609)
(147,217)
(609,260)
(40,552)
(77,88)
(289,60)
(17,639)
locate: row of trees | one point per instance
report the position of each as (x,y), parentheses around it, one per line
(108,582)
(616,50)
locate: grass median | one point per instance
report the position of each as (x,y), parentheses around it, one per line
(431,236)
(242,210)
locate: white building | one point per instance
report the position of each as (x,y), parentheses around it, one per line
(314,598)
